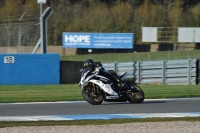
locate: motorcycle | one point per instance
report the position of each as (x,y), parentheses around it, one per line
(97,88)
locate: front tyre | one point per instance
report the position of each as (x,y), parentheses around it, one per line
(136,95)
(92,94)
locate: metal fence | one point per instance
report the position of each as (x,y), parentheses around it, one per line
(158,72)
(24,34)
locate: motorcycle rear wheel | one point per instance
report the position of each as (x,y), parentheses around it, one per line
(92,95)
(136,95)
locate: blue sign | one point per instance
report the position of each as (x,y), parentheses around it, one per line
(97,40)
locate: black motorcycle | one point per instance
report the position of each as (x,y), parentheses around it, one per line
(97,88)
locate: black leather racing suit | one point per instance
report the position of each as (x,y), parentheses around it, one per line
(110,74)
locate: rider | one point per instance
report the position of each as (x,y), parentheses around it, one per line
(89,63)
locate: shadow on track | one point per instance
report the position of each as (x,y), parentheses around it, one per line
(145,102)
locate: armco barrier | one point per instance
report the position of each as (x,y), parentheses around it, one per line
(198,71)
(21,69)
(185,71)
(158,72)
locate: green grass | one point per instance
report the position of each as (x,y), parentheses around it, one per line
(142,56)
(171,91)
(39,93)
(71,92)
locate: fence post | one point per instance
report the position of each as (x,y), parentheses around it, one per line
(115,67)
(189,71)
(139,72)
(164,71)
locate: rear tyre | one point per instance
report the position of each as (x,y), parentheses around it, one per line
(136,95)
(92,94)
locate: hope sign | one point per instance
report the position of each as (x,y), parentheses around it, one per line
(77,38)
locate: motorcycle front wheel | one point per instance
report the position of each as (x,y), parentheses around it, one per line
(92,94)
(136,95)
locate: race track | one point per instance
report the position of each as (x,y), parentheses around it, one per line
(78,110)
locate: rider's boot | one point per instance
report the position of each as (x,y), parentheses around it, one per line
(123,85)
(117,80)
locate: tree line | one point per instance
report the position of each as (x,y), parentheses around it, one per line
(112,16)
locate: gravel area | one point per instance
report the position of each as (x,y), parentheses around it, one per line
(145,127)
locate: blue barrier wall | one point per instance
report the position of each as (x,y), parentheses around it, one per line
(29,69)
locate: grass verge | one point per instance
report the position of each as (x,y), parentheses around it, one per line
(71,92)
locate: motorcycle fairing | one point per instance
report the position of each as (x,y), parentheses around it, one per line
(106,87)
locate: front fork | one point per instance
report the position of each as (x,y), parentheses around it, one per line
(97,89)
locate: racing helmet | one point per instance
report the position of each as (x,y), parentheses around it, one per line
(89,64)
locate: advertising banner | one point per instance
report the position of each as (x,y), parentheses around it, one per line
(188,35)
(98,40)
